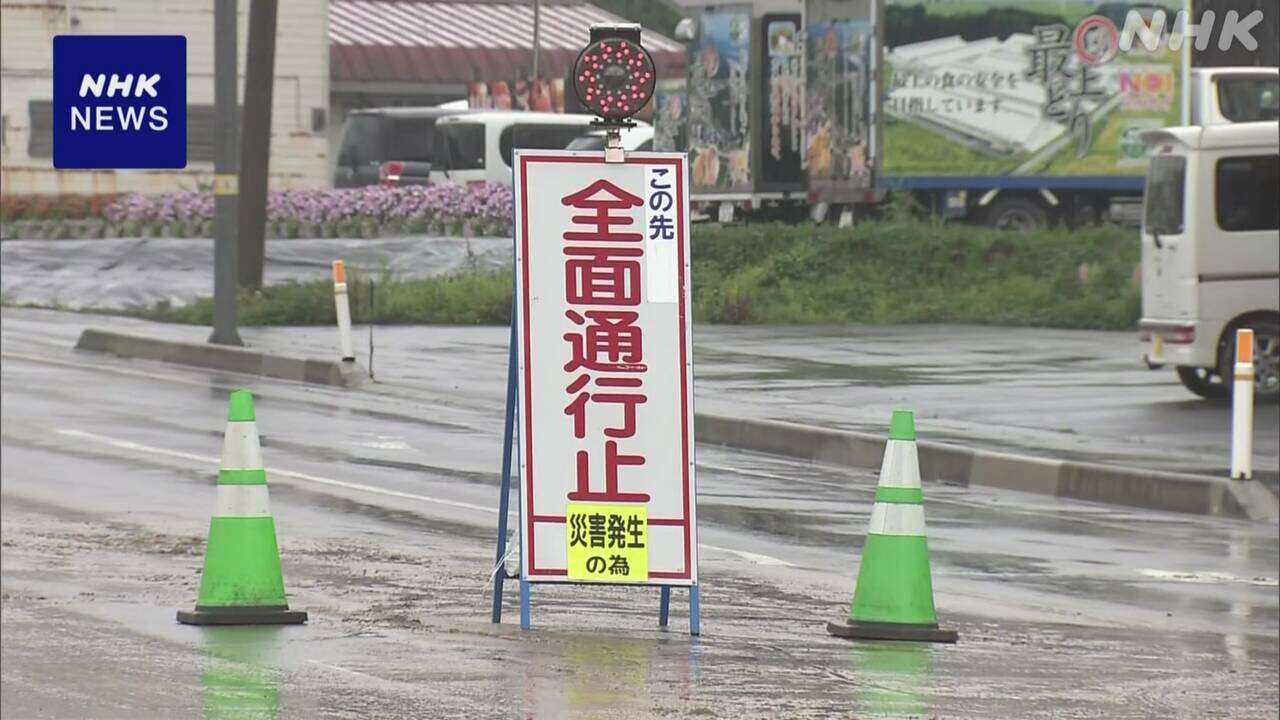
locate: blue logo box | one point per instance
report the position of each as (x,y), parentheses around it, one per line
(119,101)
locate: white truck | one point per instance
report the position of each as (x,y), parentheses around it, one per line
(1211,234)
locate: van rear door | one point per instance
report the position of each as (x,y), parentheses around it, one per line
(1168,249)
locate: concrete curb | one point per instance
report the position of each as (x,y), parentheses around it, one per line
(1134,487)
(221,357)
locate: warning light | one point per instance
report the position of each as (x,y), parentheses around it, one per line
(614,76)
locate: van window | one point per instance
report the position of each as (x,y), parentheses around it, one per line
(1165,179)
(361,142)
(536,137)
(409,139)
(1245,190)
(460,146)
(1249,99)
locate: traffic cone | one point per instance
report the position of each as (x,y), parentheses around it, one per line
(893,599)
(241,583)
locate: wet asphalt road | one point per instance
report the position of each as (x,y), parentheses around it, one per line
(384,503)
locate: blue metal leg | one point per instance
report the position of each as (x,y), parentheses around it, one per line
(504,495)
(524,604)
(695,614)
(664,605)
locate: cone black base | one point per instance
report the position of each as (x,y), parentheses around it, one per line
(892,631)
(242,616)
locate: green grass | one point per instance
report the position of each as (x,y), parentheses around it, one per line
(469,297)
(895,271)
(909,271)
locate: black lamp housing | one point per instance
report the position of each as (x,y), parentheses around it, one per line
(614,75)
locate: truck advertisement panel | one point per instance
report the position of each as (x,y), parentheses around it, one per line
(1034,87)
(782,93)
(838,152)
(719,103)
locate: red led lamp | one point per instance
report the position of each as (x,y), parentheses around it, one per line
(614,78)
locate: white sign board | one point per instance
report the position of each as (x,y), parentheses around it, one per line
(605,406)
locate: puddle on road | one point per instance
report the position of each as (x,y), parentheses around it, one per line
(769,367)
(581,675)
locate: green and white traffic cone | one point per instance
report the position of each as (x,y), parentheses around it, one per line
(241,583)
(893,599)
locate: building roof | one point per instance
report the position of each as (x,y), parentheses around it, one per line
(458,42)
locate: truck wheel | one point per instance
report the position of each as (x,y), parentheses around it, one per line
(1266,358)
(1015,213)
(1201,382)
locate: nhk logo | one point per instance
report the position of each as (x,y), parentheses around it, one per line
(119,101)
(1098,40)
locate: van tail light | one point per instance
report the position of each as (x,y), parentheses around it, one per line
(1170,334)
(1182,335)
(389,172)
(476,184)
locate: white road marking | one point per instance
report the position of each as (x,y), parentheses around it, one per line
(212,462)
(348,671)
(146,375)
(1207,577)
(756,558)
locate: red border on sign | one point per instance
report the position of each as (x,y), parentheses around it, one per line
(531,517)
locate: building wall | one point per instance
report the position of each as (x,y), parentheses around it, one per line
(299,147)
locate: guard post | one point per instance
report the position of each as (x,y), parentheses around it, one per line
(1242,408)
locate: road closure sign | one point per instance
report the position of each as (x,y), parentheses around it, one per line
(605,368)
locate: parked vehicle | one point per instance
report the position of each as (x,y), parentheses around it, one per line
(392,145)
(993,112)
(979,127)
(1226,95)
(1211,253)
(478,147)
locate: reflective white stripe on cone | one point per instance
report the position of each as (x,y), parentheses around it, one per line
(240,448)
(901,465)
(897,519)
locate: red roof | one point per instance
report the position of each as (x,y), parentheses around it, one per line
(459,42)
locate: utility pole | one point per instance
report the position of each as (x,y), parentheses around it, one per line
(255,148)
(225,131)
(537,31)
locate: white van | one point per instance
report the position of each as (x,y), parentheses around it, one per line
(1222,95)
(477,147)
(638,138)
(1211,252)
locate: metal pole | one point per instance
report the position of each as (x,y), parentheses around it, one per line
(1184,104)
(225,191)
(537,32)
(255,150)
(504,491)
